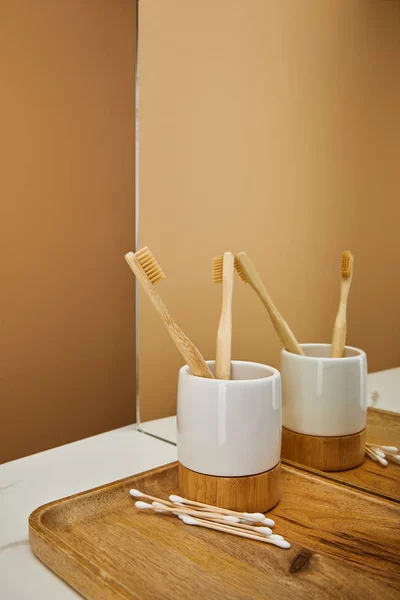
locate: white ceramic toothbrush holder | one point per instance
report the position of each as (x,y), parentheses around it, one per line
(229,437)
(324,398)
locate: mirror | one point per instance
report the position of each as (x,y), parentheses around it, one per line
(275,132)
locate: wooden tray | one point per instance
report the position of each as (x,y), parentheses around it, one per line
(383,427)
(345,544)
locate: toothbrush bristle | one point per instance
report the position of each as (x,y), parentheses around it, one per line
(217,269)
(347,264)
(240,270)
(149,265)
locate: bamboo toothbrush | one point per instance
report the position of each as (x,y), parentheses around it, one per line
(249,274)
(339,330)
(223,267)
(148,272)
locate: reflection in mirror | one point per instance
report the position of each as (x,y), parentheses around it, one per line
(275,132)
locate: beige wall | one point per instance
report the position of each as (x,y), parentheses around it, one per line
(271,127)
(67,218)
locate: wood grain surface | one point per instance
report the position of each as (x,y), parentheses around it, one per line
(256,493)
(345,544)
(324,453)
(383,427)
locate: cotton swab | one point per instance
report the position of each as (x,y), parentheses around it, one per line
(265,531)
(218,517)
(379,452)
(226,523)
(385,448)
(253,517)
(382,454)
(227,520)
(375,457)
(188,511)
(175,510)
(146,506)
(268,522)
(138,494)
(247,518)
(386,453)
(231,531)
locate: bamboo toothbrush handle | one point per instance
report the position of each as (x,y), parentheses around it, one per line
(338,338)
(281,327)
(224,336)
(188,350)
(286,335)
(340,327)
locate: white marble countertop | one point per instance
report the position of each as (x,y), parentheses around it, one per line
(30,482)
(384,390)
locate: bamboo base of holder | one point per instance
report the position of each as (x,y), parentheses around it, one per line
(324,453)
(255,493)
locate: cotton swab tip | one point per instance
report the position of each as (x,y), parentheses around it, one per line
(230,518)
(379,453)
(140,504)
(282,544)
(188,520)
(264,530)
(389,448)
(268,522)
(383,461)
(254,517)
(178,499)
(135,493)
(159,505)
(276,536)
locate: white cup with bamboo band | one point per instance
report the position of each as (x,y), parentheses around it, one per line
(322,395)
(229,436)
(326,399)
